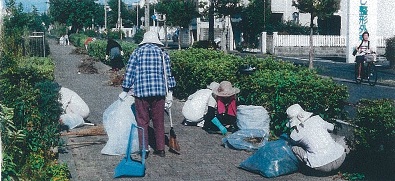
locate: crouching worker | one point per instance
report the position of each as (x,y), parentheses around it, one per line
(223,118)
(314,146)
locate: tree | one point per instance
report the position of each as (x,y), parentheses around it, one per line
(178,12)
(219,8)
(316,8)
(77,13)
(113,14)
(254,19)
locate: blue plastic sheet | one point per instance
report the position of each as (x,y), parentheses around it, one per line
(275,158)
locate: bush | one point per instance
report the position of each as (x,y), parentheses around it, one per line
(138,37)
(78,40)
(205,44)
(115,34)
(26,86)
(97,50)
(375,138)
(275,85)
(390,51)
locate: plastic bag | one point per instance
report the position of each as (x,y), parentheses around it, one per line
(73,103)
(274,159)
(245,139)
(72,120)
(196,105)
(253,117)
(117,121)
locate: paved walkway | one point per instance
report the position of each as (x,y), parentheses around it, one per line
(202,157)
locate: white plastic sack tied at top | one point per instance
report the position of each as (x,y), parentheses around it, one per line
(117,120)
(196,106)
(75,109)
(253,117)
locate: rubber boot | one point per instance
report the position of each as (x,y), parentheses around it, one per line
(219,125)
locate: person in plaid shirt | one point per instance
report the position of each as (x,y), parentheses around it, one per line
(145,77)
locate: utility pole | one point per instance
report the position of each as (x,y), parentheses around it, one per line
(119,18)
(147,16)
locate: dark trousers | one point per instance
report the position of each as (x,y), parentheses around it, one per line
(151,108)
(224,119)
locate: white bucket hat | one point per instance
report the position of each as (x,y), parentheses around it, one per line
(213,85)
(297,115)
(151,37)
(225,89)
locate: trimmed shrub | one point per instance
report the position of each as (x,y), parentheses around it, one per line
(138,37)
(26,86)
(97,50)
(78,40)
(390,51)
(275,84)
(375,138)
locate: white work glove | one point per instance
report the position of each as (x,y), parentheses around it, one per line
(122,53)
(123,95)
(169,100)
(106,57)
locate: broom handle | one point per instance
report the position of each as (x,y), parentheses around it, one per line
(167,87)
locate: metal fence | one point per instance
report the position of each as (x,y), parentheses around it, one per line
(35,45)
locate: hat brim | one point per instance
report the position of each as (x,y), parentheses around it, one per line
(153,42)
(300,118)
(226,94)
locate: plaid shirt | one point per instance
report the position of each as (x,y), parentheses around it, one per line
(144,72)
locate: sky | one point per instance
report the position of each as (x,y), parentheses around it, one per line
(41,5)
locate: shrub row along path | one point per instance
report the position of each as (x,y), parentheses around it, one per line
(202,156)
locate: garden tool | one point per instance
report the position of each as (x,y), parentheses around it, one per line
(173,143)
(128,167)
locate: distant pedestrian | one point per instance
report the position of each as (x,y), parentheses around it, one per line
(145,76)
(314,146)
(61,40)
(87,41)
(66,40)
(115,53)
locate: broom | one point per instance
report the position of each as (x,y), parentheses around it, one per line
(173,143)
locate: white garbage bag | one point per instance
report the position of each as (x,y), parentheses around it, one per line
(73,103)
(117,120)
(253,117)
(196,106)
(72,120)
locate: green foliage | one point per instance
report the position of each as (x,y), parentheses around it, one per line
(78,40)
(97,50)
(390,51)
(116,35)
(290,28)
(375,137)
(76,13)
(255,20)
(138,37)
(27,87)
(275,85)
(317,8)
(175,11)
(353,176)
(89,33)
(204,44)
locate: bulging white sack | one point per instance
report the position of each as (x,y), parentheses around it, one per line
(72,120)
(253,117)
(73,103)
(117,120)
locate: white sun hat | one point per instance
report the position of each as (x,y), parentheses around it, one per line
(151,37)
(297,115)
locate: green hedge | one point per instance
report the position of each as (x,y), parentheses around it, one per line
(97,49)
(375,138)
(27,86)
(78,40)
(275,85)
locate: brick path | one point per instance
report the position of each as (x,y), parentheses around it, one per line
(202,157)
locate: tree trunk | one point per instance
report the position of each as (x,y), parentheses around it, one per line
(311,51)
(211,22)
(165,27)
